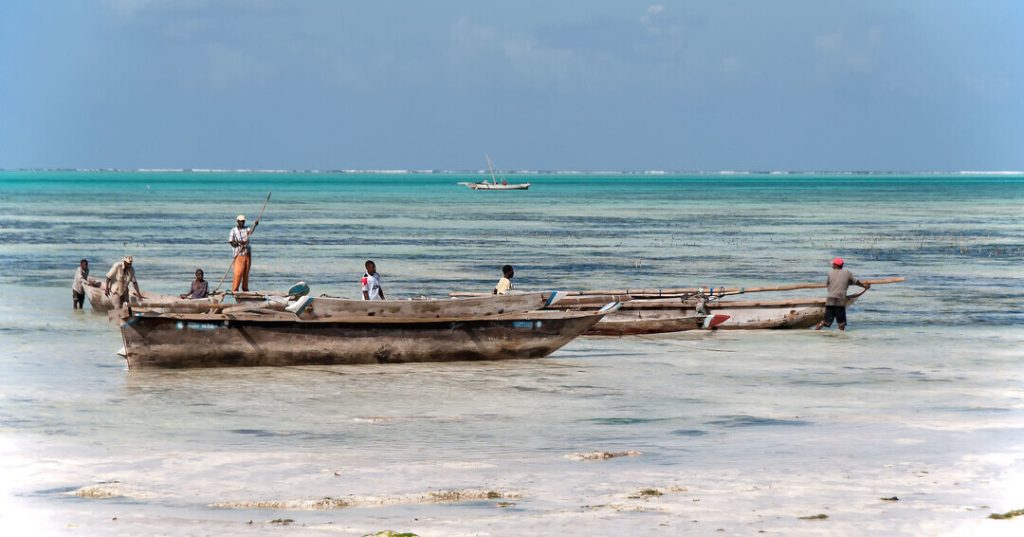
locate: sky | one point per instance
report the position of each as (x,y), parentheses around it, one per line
(540,85)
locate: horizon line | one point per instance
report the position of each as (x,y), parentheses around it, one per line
(421,171)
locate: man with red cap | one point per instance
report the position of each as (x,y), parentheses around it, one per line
(838,281)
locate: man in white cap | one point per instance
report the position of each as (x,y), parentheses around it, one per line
(239,240)
(837,282)
(118,277)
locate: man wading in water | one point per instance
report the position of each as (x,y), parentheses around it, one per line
(78,287)
(838,281)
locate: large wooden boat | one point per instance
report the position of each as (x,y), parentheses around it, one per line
(180,340)
(480,306)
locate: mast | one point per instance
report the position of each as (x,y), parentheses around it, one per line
(490,167)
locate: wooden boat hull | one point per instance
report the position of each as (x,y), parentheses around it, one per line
(770,318)
(310,308)
(742,315)
(631,323)
(196,340)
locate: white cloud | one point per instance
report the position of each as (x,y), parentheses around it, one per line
(129,7)
(227,67)
(651,19)
(857,54)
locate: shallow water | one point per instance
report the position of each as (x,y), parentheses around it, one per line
(923,398)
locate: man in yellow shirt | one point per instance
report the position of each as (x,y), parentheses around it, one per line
(505,283)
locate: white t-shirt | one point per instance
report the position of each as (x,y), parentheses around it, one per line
(504,285)
(238,235)
(371,286)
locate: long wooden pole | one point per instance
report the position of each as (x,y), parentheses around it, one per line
(716,291)
(265,202)
(720,290)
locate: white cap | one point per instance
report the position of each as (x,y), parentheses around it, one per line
(240,218)
(128,259)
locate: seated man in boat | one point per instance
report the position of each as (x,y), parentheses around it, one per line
(78,286)
(838,281)
(200,287)
(118,277)
(371,283)
(505,283)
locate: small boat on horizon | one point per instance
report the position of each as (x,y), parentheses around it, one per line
(495,184)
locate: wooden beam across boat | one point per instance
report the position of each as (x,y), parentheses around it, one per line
(675,303)
(485,305)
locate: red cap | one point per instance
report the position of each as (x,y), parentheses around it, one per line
(838,261)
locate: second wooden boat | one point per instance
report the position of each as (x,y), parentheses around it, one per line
(732,314)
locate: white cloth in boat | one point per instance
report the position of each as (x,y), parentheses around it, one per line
(371,286)
(120,276)
(838,281)
(239,235)
(504,285)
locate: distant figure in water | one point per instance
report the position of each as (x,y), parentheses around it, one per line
(78,287)
(200,287)
(838,281)
(505,283)
(371,283)
(118,277)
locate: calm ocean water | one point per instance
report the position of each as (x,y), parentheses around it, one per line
(923,398)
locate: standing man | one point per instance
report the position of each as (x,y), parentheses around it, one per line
(118,277)
(78,287)
(505,283)
(371,283)
(838,281)
(239,240)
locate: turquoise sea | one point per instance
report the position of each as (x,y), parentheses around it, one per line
(744,432)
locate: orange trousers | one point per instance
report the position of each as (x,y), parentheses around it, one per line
(242,264)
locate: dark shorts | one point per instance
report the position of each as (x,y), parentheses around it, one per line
(835,312)
(77,299)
